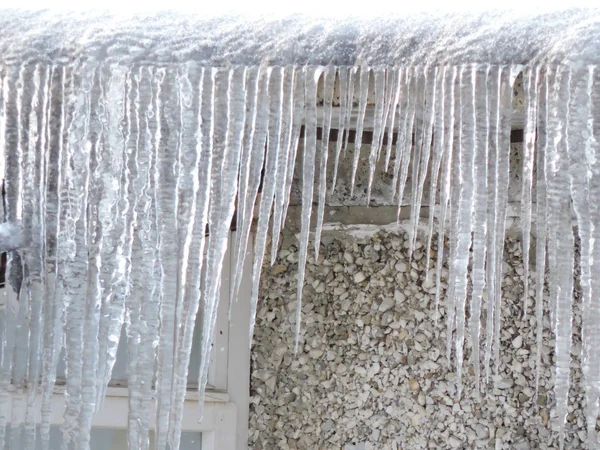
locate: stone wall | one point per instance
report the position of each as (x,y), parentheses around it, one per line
(372,371)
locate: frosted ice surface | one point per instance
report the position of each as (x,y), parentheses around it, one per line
(126,155)
(11,236)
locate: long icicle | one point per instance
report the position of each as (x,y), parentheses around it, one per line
(436,162)
(308,174)
(579,144)
(328,85)
(479,218)
(467,156)
(287,153)
(540,220)
(446,178)
(363,97)
(531,89)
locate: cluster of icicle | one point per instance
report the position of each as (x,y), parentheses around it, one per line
(117,174)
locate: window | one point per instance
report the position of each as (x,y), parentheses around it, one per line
(224,425)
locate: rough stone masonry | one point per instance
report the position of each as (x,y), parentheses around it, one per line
(372,371)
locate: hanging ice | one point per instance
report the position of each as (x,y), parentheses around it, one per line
(127,152)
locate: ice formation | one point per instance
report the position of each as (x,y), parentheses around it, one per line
(128,143)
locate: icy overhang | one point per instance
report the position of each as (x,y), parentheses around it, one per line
(497,37)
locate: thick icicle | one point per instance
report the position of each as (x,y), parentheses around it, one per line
(531,89)
(564,275)
(297,124)
(12,107)
(224,186)
(423,153)
(198,132)
(76,270)
(118,240)
(436,161)
(396,84)
(455,190)
(503,180)
(33,255)
(591,329)
(479,216)
(268,191)
(467,156)
(350,104)
(248,162)
(579,148)
(95,240)
(446,179)
(379,75)
(142,305)
(561,241)
(312,75)
(328,85)
(345,106)
(417,149)
(53,308)
(167,181)
(540,220)
(405,140)
(287,132)
(251,167)
(363,97)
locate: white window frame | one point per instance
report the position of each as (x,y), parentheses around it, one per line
(224,425)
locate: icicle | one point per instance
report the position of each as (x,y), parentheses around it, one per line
(497,206)
(12,108)
(464,212)
(167,181)
(31,298)
(396,77)
(540,220)
(270,178)
(417,149)
(251,167)
(226,159)
(298,122)
(591,312)
(196,110)
(312,76)
(453,209)
(482,126)
(531,88)
(328,83)
(345,106)
(52,308)
(558,190)
(503,180)
(118,241)
(379,74)
(446,178)
(287,130)
(363,97)
(76,269)
(247,157)
(579,142)
(436,161)
(350,103)
(91,319)
(404,146)
(424,152)
(142,305)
